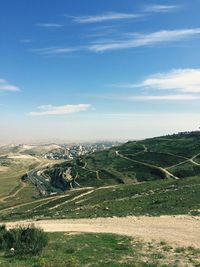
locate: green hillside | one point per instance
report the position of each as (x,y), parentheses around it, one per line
(155,176)
(169,157)
(155,198)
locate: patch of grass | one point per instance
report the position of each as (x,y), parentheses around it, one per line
(100,250)
(185,170)
(180,250)
(156,198)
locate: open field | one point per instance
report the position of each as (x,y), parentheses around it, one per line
(77,250)
(11,173)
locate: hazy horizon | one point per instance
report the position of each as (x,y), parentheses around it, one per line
(98,70)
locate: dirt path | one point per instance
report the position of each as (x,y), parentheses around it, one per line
(42,201)
(22,185)
(169,174)
(70,200)
(176,230)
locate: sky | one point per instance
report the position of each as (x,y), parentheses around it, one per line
(75,70)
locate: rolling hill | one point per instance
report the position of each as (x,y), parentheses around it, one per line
(156,176)
(169,157)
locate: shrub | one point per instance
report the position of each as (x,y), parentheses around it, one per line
(3,232)
(24,240)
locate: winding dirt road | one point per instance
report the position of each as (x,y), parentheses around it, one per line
(169,174)
(176,230)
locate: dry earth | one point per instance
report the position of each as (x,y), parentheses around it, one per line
(176,230)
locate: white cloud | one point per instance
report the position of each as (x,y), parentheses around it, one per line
(180,97)
(49,25)
(183,80)
(105,17)
(55,50)
(6,86)
(60,110)
(160,8)
(126,41)
(149,39)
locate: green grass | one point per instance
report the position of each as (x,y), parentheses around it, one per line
(27,194)
(164,197)
(158,159)
(103,250)
(12,171)
(136,161)
(185,170)
(183,144)
(9,179)
(155,195)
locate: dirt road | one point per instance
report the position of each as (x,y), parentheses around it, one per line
(176,230)
(168,174)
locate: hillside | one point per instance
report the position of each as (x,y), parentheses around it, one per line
(169,157)
(158,176)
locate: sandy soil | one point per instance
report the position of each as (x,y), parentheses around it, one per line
(21,157)
(3,169)
(176,230)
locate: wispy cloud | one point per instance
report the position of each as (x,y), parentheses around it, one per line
(59,110)
(160,8)
(183,83)
(149,39)
(127,41)
(6,86)
(49,25)
(110,16)
(182,80)
(55,50)
(181,97)
(26,41)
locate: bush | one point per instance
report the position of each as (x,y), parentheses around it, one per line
(24,240)
(3,232)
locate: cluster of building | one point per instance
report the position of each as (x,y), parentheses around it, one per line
(74,151)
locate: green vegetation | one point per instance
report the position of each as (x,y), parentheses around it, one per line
(185,170)
(10,178)
(79,250)
(131,179)
(12,168)
(22,241)
(163,197)
(138,161)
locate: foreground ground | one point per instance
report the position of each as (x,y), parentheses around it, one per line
(176,230)
(77,250)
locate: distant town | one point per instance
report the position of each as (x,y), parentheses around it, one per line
(72,151)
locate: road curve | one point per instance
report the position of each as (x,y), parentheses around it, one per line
(176,230)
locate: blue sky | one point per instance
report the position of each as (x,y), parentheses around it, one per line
(93,70)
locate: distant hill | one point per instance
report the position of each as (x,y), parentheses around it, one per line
(167,157)
(35,150)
